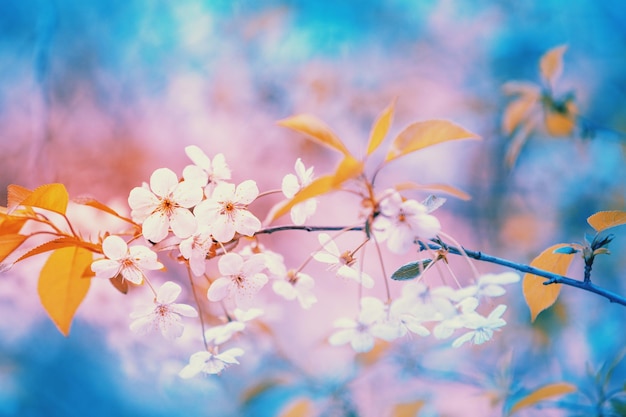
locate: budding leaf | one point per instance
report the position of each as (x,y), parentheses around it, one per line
(606,219)
(421,135)
(543,393)
(551,64)
(567,250)
(516,112)
(560,123)
(314,129)
(538,296)
(62,286)
(380,128)
(411,270)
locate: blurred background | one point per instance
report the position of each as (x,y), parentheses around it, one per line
(98,94)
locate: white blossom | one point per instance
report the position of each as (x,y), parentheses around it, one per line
(226,211)
(122,260)
(292,184)
(210,362)
(205,172)
(359,333)
(482,328)
(296,286)
(220,334)
(195,249)
(400,223)
(343,263)
(165,204)
(164,314)
(240,279)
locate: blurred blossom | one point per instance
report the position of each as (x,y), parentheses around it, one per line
(292,184)
(164,315)
(240,279)
(210,363)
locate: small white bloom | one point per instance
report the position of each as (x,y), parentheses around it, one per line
(195,249)
(398,322)
(226,210)
(482,327)
(120,259)
(240,279)
(210,363)
(489,285)
(205,172)
(401,222)
(166,204)
(359,333)
(164,315)
(220,334)
(296,286)
(341,262)
(294,183)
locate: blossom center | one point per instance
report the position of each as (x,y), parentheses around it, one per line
(162,310)
(167,206)
(346,258)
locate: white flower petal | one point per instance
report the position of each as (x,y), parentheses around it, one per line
(246,192)
(230,264)
(168,292)
(163,181)
(114,247)
(106,268)
(290,185)
(219,289)
(155,227)
(183,223)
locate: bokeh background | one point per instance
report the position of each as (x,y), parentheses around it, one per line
(98,94)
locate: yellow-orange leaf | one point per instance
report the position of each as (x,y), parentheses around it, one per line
(380,128)
(53,197)
(444,188)
(349,168)
(603,220)
(540,394)
(407,409)
(299,408)
(318,187)
(516,112)
(423,134)
(10,242)
(62,242)
(61,284)
(15,195)
(10,224)
(561,123)
(551,63)
(315,129)
(92,202)
(538,296)
(381,347)
(522,87)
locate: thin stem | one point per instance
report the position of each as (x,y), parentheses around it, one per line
(269,192)
(195,297)
(382,267)
(269,230)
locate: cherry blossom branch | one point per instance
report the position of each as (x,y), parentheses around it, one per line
(552,278)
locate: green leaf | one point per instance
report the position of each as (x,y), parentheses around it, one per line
(542,393)
(567,250)
(421,135)
(314,129)
(62,287)
(380,128)
(538,296)
(411,270)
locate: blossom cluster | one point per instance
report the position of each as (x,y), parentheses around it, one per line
(203,216)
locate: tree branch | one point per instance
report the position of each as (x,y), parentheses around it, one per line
(552,278)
